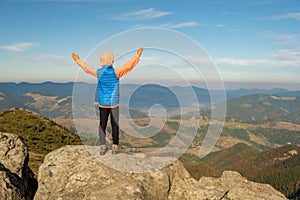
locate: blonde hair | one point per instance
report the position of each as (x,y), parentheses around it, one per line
(106,58)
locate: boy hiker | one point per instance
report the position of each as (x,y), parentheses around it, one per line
(108,93)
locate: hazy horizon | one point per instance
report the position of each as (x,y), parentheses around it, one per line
(228,85)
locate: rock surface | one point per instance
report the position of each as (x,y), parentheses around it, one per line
(72,172)
(231,185)
(14,171)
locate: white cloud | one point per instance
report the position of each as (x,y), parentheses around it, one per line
(239,62)
(287,54)
(295,16)
(199,59)
(284,39)
(149,13)
(262,63)
(166,25)
(19,47)
(179,25)
(222,25)
(270,69)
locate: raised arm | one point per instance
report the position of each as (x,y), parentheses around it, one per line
(129,65)
(88,69)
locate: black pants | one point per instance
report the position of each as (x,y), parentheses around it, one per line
(114,121)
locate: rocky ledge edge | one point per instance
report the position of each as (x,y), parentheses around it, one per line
(74,172)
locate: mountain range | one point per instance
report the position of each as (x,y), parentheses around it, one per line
(260,138)
(139,95)
(279,167)
(263,121)
(261,107)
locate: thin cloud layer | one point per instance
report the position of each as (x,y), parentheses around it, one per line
(179,25)
(166,25)
(287,54)
(222,25)
(295,16)
(19,47)
(284,39)
(144,14)
(261,63)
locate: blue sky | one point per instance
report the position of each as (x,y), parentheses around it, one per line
(255,41)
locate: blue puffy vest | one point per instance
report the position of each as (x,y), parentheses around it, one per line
(108,86)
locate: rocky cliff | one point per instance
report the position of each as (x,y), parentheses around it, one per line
(15,175)
(72,172)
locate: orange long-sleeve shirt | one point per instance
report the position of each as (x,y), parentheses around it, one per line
(121,71)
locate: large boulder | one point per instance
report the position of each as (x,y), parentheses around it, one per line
(14,170)
(74,172)
(10,185)
(13,153)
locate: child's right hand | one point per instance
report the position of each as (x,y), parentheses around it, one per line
(77,59)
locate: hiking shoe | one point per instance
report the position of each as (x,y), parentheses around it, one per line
(115,149)
(103,149)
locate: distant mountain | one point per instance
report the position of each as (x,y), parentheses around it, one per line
(140,96)
(148,95)
(262,107)
(246,92)
(13,100)
(262,121)
(137,97)
(55,89)
(256,120)
(46,105)
(230,158)
(279,167)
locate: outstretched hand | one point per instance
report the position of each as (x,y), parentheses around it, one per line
(77,59)
(140,51)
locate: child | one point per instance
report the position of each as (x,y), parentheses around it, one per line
(108,93)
